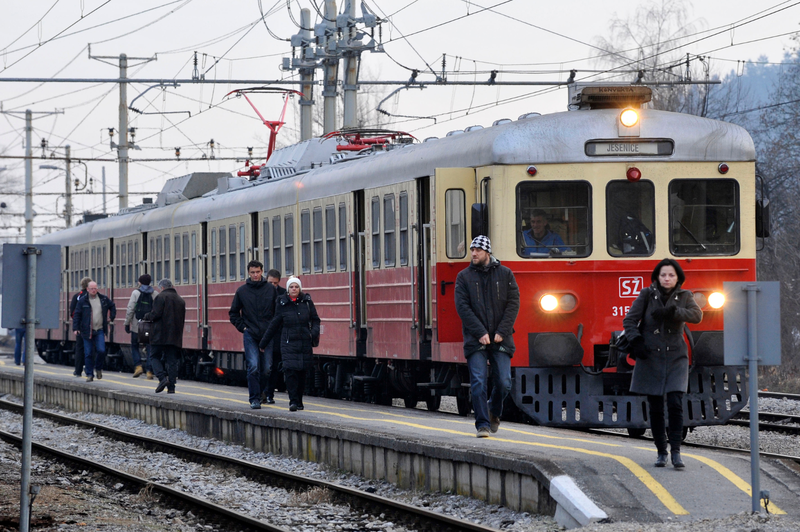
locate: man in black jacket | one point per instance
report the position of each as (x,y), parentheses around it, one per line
(90,323)
(487,300)
(168,317)
(251,311)
(79,356)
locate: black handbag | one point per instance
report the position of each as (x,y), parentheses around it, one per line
(145,331)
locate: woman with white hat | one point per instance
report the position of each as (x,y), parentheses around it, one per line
(298,324)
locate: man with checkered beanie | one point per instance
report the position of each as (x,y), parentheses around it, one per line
(487,301)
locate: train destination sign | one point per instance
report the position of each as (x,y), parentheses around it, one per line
(626,148)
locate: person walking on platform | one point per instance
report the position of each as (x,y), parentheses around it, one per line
(168,317)
(141,303)
(654,326)
(268,395)
(487,301)
(297,324)
(251,311)
(20,345)
(90,322)
(79,355)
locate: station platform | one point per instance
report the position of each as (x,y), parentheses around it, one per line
(578,477)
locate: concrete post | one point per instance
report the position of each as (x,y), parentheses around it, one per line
(68,183)
(351,74)
(123,132)
(331,70)
(28,178)
(307,77)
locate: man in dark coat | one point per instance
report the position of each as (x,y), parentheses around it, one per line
(79,356)
(90,323)
(487,300)
(268,395)
(654,326)
(251,311)
(168,317)
(297,323)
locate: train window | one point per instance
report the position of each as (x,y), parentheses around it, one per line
(222,252)
(553,219)
(318,237)
(152,257)
(456,224)
(342,237)
(288,226)
(185,258)
(105,268)
(194,257)
(305,241)
(704,217)
(159,258)
(388,230)
(130,263)
(214,255)
(376,232)
(242,263)
(330,238)
(166,257)
(94,262)
(232,253)
(403,229)
(124,261)
(136,260)
(265,243)
(176,279)
(630,218)
(276,242)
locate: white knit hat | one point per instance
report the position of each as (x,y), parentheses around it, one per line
(294,280)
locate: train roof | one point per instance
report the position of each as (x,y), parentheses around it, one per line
(553,138)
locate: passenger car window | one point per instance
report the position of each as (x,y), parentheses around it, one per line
(630,218)
(554,219)
(704,217)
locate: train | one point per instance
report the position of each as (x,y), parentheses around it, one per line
(377,225)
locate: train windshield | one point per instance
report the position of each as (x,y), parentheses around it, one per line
(704,217)
(553,219)
(630,218)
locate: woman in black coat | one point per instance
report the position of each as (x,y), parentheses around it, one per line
(297,323)
(654,327)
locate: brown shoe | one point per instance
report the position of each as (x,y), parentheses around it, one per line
(150,375)
(138,371)
(99,373)
(494,422)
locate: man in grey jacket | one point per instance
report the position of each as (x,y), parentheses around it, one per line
(141,303)
(487,300)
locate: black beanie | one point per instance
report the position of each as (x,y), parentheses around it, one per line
(668,262)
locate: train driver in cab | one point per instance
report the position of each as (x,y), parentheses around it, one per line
(539,239)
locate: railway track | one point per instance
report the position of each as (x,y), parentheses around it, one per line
(418,518)
(780,395)
(768,421)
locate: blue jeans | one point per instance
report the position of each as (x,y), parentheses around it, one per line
(136,355)
(479,379)
(19,352)
(98,342)
(259,366)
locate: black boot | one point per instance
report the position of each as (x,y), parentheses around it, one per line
(661,461)
(677,461)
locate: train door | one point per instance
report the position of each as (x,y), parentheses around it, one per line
(358,279)
(455,191)
(422,266)
(252,249)
(202,279)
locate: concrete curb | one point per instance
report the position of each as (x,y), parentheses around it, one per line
(574,508)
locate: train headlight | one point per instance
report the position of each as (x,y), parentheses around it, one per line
(716,300)
(548,302)
(701,299)
(567,302)
(629,117)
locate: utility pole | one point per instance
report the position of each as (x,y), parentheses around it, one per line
(104,190)
(123,146)
(68,183)
(331,65)
(351,59)
(306,76)
(28,178)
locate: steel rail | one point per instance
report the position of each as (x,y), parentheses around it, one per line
(374,504)
(779,395)
(232,516)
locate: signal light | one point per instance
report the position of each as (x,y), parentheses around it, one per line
(633,174)
(723,168)
(219,372)
(531,170)
(629,117)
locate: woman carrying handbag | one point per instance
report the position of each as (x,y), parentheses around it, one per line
(297,323)
(654,327)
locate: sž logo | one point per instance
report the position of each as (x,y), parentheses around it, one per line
(630,286)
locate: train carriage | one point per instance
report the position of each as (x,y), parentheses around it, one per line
(377,227)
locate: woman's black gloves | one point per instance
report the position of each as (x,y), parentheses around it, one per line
(664,313)
(638,350)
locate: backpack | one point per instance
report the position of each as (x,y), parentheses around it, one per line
(143,305)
